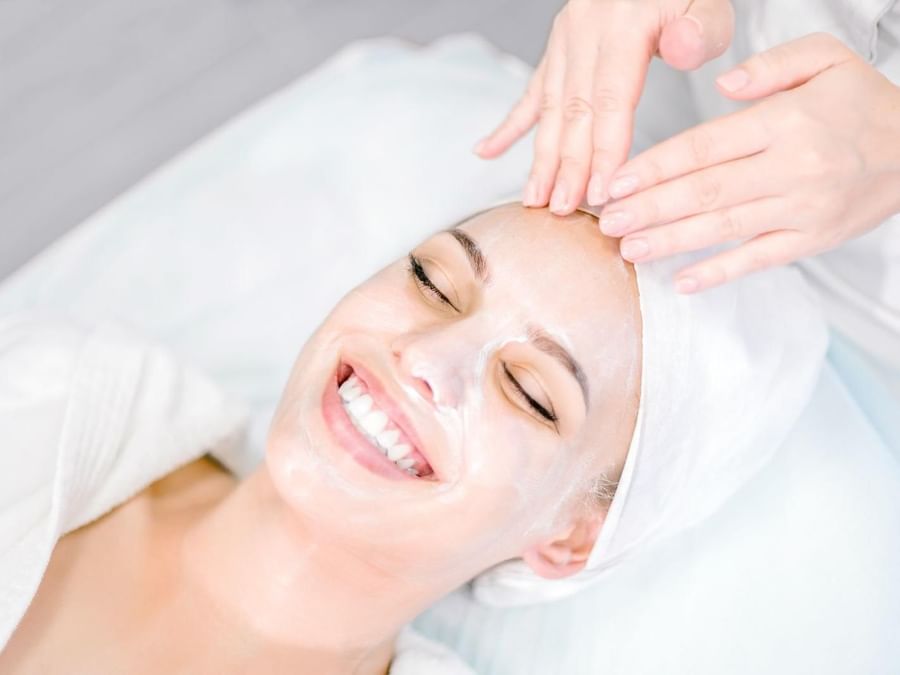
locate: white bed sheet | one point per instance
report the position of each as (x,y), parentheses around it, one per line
(234,252)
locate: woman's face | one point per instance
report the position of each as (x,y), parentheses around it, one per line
(452,411)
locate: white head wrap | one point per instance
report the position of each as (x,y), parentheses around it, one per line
(725,374)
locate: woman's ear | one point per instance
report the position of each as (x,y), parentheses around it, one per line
(567,553)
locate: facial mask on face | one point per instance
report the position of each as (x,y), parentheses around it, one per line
(436,380)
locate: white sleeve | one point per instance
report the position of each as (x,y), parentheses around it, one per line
(860,281)
(37,360)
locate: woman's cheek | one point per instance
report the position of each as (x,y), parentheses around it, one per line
(511,464)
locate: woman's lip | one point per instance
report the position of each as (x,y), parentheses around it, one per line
(348,437)
(384,401)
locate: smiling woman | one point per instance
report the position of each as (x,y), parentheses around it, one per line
(468,405)
(479,374)
(510,403)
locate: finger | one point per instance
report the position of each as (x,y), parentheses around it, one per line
(618,82)
(702,34)
(520,119)
(717,187)
(767,250)
(578,116)
(546,140)
(784,67)
(707,229)
(737,135)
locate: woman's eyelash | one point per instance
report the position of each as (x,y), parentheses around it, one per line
(417,272)
(537,407)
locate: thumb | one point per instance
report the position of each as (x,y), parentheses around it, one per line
(784,67)
(701,34)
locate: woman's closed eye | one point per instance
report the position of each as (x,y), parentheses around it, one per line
(425,284)
(545,412)
(435,286)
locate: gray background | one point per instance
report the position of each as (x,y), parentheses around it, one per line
(95,94)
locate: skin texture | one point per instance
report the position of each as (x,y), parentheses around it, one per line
(313,563)
(586,88)
(816,162)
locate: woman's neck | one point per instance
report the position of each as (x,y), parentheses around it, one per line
(258,592)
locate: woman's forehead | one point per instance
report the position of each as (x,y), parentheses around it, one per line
(516,239)
(563,274)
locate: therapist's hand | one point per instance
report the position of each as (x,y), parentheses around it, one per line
(813,164)
(585,89)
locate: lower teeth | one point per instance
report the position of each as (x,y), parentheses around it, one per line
(404,464)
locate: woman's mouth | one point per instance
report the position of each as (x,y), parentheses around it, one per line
(374,437)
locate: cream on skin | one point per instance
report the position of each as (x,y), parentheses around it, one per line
(508,360)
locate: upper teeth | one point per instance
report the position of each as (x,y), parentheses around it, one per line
(373,423)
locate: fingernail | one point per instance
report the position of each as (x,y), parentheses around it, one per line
(559,200)
(733,80)
(479,146)
(614,223)
(635,249)
(531,193)
(624,186)
(686,285)
(595,196)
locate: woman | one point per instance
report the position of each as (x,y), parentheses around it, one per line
(470,407)
(430,429)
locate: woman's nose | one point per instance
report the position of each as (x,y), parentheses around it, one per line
(435,364)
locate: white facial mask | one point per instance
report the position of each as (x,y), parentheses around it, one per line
(505,476)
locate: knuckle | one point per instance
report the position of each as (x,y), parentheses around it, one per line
(607,100)
(601,160)
(576,109)
(730,225)
(794,118)
(706,191)
(820,159)
(700,145)
(570,160)
(653,171)
(776,59)
(549,104)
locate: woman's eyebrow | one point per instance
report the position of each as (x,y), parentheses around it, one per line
(542,341)
(473,252)
(537,336)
